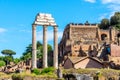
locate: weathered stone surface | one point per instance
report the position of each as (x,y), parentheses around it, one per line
(5,79)
(33,78)
(87,40)
(115,50)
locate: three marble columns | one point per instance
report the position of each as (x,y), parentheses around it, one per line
(34,53)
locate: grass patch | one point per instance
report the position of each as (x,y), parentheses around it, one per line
(21,76)
(45,73)
(3,75)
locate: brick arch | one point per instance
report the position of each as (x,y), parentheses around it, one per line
(118,34)
(103,36)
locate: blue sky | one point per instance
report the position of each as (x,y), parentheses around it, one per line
(16,17)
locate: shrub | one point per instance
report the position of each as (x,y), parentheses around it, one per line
(46,72)
(17,77)
(49,70)
(36,71)
(2,63)
(16,60)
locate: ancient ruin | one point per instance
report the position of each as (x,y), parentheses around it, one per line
(81,46)
(88,46)
(44,20)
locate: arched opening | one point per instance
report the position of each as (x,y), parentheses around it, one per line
(118,38)
(103,37)
(118,35)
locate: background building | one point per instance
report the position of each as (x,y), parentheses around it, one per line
(89,43)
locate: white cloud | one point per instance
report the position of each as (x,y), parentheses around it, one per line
(112,5)
(49,35)
(91,1)
(114,8)
(2,30)
(111,1)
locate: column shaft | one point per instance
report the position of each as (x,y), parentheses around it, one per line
(45,47)
(34,46)
(55,48)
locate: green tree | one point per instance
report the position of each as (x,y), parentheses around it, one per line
(104,24)
(115,20)
(8,55)
(29,48)
(39,50)
(16,60)
(8,52)
(38,44)
(8,59)
(1,58)
(28,52)
(26,56)
(49,47)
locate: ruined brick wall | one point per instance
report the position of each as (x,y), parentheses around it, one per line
(84,33)
(76,49)
(81,35)
(115,50)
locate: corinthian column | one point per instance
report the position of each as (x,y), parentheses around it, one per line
(55,48)
(45,47)
(34,46)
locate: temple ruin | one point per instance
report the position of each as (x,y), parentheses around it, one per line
(44,20)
